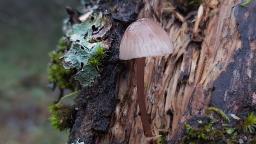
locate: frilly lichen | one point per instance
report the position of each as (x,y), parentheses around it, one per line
(81,50)
(78,57)
(86,53)
(78,142)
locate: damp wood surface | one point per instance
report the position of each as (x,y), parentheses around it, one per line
(213,67)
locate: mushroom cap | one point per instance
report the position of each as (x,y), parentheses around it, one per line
(144,38)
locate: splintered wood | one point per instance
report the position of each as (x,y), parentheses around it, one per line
(178,86)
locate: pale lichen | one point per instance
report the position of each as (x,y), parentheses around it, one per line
(77,142)
(77,63)
(86,53)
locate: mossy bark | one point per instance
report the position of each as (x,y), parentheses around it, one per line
(213,67)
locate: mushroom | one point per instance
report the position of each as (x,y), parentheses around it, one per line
(144,38)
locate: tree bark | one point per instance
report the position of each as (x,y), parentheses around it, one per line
(214,67)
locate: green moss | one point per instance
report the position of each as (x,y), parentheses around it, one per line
(96,58)
(76,63)
(206,132)
(63,44)
(219,112)
(246,3)
(162,140)
(61,116)
(62,112)
(249,124)
(57,74)
(212,129)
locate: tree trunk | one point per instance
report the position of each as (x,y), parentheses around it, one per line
(212,66)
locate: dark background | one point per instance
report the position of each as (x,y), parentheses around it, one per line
(29,29)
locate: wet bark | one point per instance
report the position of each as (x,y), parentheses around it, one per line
(216,66)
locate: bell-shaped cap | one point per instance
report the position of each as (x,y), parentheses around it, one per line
(144,38)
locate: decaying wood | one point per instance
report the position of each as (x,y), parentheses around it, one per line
(215,66)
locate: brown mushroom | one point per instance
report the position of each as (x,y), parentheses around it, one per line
(144,38)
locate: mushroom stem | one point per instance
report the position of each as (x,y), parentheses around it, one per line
(140,63)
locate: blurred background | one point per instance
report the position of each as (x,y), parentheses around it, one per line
(29,30)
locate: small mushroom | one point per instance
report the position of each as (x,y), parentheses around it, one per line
(144,38)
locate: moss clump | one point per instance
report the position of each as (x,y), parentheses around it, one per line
(214,110)
(97,57)
(57,74)
(246,3)
(162,140)
(249,124)
(204,133)
(217,127)
(62,113)
(61,116)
